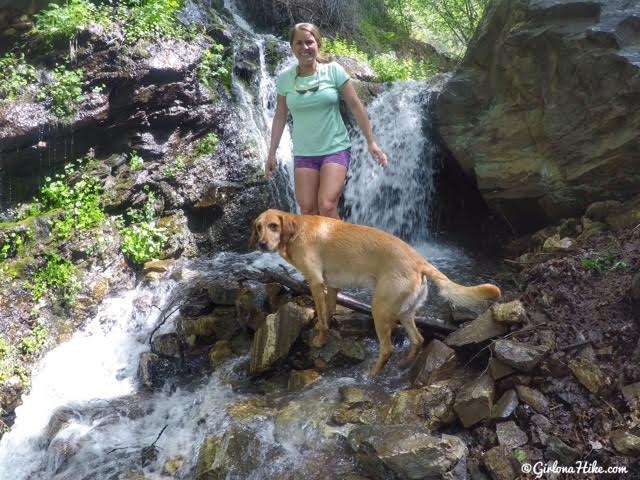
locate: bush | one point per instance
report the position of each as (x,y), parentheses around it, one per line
(64,92)
(135,161)
(214,65)
(58,277)
(62,22)
(15,75)
(152,20)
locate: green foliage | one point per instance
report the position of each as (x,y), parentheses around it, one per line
(520,455)
(79,200)
(36,341)
(64,92)
(179,165)
(214,65)
(207,144)
(13,242)
(58,277)
(387,67)
(15,75)
(142,239)
(135,161)
(62,22)
(603,263)
(151,19)
(4,348)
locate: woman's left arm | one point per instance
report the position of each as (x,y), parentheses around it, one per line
(355,105)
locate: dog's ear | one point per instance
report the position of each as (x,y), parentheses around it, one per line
(288,227)
(254,234)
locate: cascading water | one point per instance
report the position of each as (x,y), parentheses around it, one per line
(86,417)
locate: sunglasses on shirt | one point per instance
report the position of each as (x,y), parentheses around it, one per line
(313,88)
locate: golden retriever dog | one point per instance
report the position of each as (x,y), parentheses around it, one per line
(332,254)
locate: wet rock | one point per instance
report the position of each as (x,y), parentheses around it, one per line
(173,465)
(521,356)
(337,352)
(153,370)
(298,417)
(248,411)
(505,406)
(180,240)
(298,379)
(249,307)
(511,313)
(501,463)
(430,406)
(11,394)
(406,452)
(625,442)
(533,398)
(353,324)
(167,345)
(510,435)
(274,338)
(474,401)
(588,374)
(364,406)
(220,324)
(223,293)
(219,353)
(560,451)
(482,328)
(498,369)
(160,266)
(436,362)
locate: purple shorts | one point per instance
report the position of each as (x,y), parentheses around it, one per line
(343,157)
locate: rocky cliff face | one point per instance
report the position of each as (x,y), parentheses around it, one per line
(544,109)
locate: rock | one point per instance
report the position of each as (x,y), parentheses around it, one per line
(511,313)
(167,345)
(588,374)
(219,353)
(430,406)
(498,369)
(625,442)
(505,406)
(599,211)
(627,216)
(353,324)
(436,362)
(220,324)
(361,406)
(510,435)
(274,338)
(631,394)
(298,379)
(501,463)
(337,352)
(542,422)
(248,411)
(249,307)
(223,293)
(533,398)
(521,356)
(172,465)
(474,401)
(509,116)
(153,370)
(634,290)
(560,451)
(482,328)
(557,244)
(407,452)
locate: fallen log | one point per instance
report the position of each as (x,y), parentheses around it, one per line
(301,288)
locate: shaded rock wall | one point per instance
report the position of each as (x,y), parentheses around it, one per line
(543,111)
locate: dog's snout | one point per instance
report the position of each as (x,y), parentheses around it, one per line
(262,245)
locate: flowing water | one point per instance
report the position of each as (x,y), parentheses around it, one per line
(86,416)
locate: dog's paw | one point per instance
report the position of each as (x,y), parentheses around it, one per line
(319,340)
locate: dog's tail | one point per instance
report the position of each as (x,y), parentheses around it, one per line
(459,295)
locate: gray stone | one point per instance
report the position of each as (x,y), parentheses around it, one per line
(521,356)
(274,338)
(482,328)
(625,442)
(405,452)
(510,435)
(498,369)
(533,398)
(511,313)
(430,406)
(167,345)
(475,400)
(337,352)
(436,362)
(500,463)
(588,374)
(560,451)
(505,406)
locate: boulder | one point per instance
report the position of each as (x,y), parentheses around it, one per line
(475,400)
(521,356)
(482,328)
(436,362)
(542,112)
(407,452)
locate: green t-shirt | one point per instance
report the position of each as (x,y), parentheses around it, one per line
(318,128)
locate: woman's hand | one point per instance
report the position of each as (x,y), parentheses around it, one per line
(270,166)
(377,153)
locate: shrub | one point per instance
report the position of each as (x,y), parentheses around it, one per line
(15,75)
(151,19)
(58,277)
(13,242)
(62,22)
(135,161)
(214,65)
(64,92)
(142,239)
(207,144)
(34,342)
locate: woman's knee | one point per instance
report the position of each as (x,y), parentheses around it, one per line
(327,207)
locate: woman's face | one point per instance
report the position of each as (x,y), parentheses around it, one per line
(305,48)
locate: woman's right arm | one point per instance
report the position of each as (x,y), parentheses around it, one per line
(277,127)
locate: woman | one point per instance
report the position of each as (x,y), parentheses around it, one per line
(321,145)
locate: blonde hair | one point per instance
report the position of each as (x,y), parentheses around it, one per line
(313,30)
